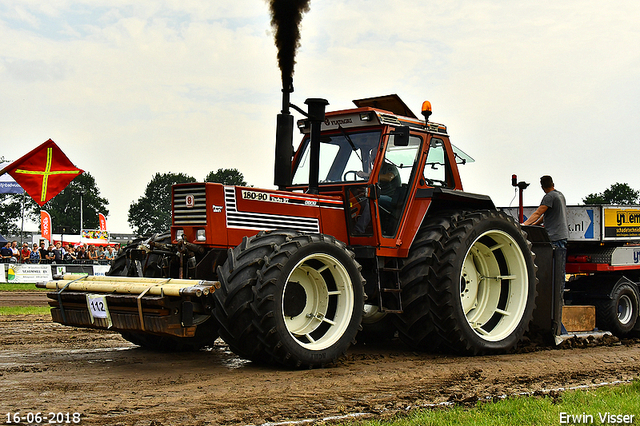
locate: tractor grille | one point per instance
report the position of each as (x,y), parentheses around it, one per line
(264,221)
(183,214)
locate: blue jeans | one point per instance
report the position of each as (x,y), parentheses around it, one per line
(560,243)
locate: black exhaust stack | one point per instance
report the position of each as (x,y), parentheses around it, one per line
(284,141)
(316,118)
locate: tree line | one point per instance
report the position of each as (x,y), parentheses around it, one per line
(152,212)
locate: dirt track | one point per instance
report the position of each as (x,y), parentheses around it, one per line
(47,367)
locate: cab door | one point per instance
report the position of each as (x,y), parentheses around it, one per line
(396,175)
(376,210)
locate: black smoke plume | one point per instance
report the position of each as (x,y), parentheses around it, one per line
(286,16)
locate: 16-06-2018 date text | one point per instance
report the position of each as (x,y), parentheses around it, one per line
(34,418)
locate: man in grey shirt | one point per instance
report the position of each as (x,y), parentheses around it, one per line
(553,211)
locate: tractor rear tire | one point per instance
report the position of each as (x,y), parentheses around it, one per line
(290,298)
(620,313)
(469,284)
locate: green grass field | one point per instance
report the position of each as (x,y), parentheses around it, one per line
(20,287)
(24,310)
(598,406)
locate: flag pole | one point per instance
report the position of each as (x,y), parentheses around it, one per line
(81,216)
(22,226)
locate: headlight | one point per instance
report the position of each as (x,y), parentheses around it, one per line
(200,235)
(179,234)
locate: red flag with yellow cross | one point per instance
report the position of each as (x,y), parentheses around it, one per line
(43,172)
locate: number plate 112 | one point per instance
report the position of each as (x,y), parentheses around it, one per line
(98,309)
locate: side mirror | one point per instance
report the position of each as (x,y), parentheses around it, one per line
(401,136)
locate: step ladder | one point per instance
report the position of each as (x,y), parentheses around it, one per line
(389,293)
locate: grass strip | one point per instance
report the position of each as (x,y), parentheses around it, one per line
(601,405)
(20,287)
(24,310)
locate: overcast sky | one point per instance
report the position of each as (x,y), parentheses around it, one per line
(128,89)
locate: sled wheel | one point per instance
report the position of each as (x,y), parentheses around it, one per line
(620,313)
(290,298)
(472,284)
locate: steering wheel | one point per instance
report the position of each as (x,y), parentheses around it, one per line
(355,175)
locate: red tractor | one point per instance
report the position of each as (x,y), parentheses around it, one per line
(369,232)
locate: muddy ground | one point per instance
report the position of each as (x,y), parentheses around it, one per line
(46,367)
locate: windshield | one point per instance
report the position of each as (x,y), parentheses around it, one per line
(343,157)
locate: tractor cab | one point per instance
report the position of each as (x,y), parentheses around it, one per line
(379,161)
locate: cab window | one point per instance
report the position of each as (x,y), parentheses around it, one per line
(344,157)
(436,166)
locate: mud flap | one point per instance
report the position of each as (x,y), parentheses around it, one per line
(547,317)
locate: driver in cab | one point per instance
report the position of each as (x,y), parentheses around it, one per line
(389,179)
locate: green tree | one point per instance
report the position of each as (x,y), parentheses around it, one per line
(64,208)
(226,177)
(10,212)
(618,194)
(152,212)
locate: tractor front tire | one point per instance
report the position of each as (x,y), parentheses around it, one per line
(290,298)
(469,284)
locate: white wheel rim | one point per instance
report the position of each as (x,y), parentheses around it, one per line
(494,285)
(318,301)
(625,310)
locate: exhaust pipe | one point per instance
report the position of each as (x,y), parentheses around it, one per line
(284,140)
(316,118)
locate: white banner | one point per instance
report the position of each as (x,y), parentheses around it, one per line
(101,270)
(3,273)
(28,273)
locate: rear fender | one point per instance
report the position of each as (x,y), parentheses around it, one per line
(450,199)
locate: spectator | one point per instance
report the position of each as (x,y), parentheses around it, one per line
(109,254)
(99,252)
(5,252)
(25,254)
(43,253)
(15,252)
(49,256)
(81,253)
(35,255)
(91,253)
(70,255)
(57,253)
